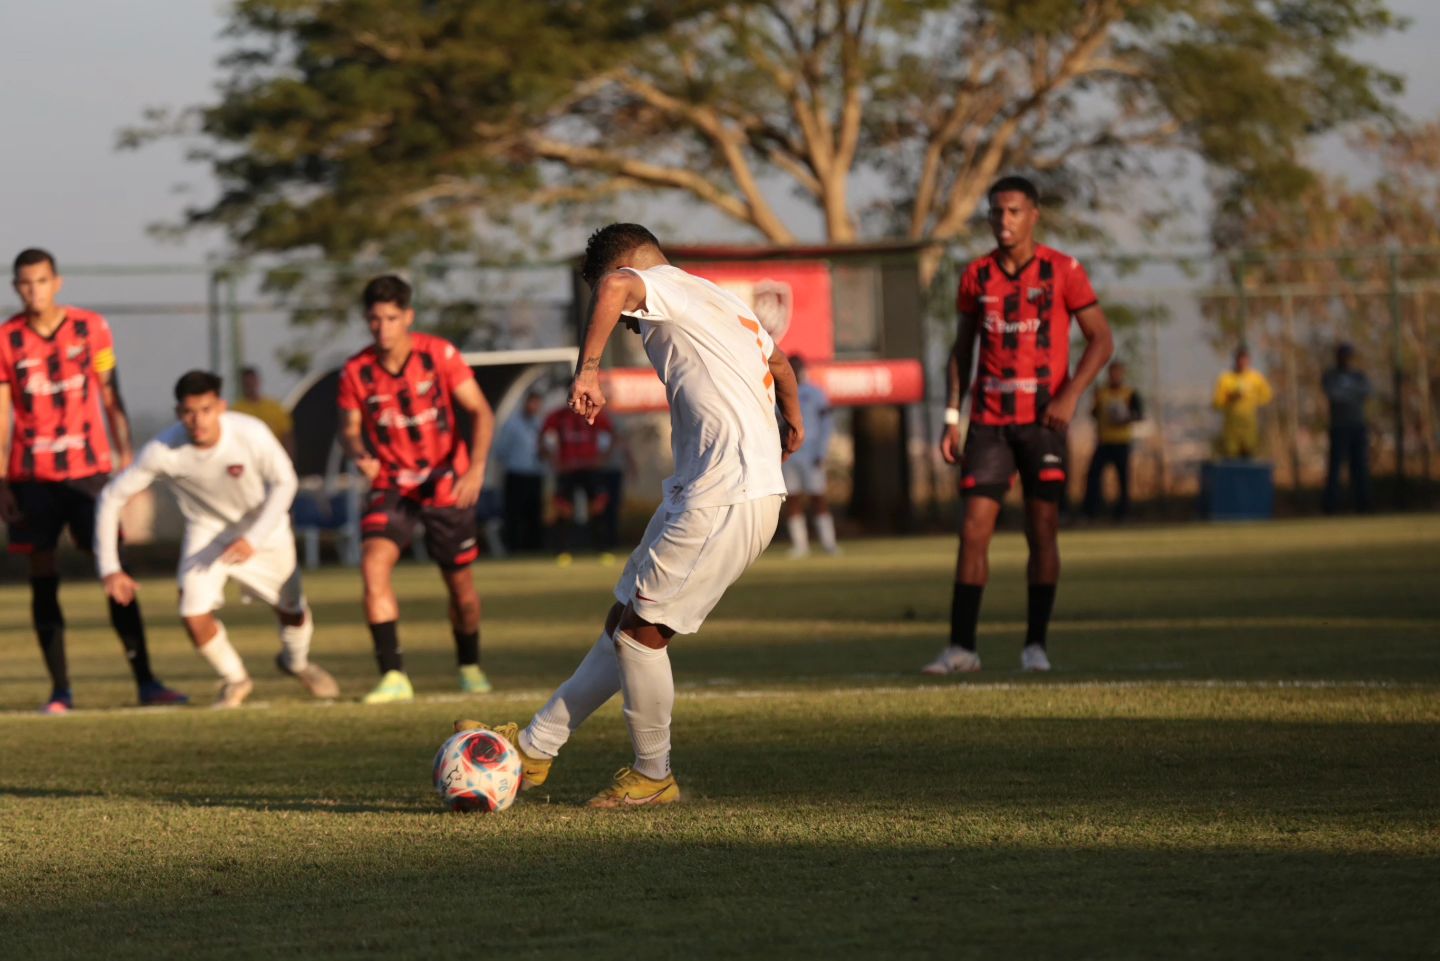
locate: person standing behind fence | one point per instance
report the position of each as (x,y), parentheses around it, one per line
(1117,408)
(266,409)
(1347,389)
(805,470)
(1239,394)
(575,448)
(518,449)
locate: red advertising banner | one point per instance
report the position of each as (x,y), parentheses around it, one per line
(791,298)
(860,383)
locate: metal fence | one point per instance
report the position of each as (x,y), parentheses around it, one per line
(1177,319)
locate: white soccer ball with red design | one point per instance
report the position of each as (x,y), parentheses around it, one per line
(477,771)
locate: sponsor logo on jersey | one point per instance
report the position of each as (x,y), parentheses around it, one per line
(1033,294)
(44,385)
(390,418)
(423,387)
(996,324)
(27,362)
(1050,459)
(235,470)
(74,351)
(1016,385)
(55,445)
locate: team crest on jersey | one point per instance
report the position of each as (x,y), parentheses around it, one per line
(235,470)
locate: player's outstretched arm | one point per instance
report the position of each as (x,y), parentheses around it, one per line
(470,398)
(9,510)
(113,498)
(787,398)
(957,380)
(272,462)
(118,419)
(354,444)
(615,294)
(1099,346)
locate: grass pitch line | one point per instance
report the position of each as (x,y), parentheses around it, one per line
(715,689)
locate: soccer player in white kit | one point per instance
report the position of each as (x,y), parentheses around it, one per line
(235,484)
(723,379)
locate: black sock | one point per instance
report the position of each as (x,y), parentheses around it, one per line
(386,638)
(49,623)
(467,647)
(965,615)
(125,618)
(1037,619)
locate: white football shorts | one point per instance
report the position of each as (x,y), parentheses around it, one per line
(688,559)
(804,476)
(270,575)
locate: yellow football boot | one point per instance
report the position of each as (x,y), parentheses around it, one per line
(633,789)
(393,688)
(533,770)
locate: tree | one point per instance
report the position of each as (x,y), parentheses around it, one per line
(1346,262)
(393,127)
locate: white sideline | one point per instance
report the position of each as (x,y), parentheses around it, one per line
(718,688)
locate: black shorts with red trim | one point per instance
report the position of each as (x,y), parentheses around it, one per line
(995,453)
(449,531)
(592,482)
(49,507)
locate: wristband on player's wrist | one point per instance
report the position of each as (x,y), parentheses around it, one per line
(952,416)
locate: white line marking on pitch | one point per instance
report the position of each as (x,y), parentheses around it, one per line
(716,689)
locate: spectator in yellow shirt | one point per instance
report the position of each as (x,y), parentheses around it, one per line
(1239,394)
(1117,409)
(267,409)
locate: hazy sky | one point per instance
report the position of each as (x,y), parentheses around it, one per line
(76,71)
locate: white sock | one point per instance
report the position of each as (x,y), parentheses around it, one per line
(825,530)
(221,655)
(594,682)
(649,690)
(295,643)
(799,536)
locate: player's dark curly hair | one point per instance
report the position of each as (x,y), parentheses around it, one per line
(1018,185)
(31,256)
(609,244)
(197,383)
(388,289)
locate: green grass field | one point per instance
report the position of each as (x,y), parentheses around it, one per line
(1237,756)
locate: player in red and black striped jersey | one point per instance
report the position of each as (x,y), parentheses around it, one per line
(1017,302)
(400,401)
(57,383)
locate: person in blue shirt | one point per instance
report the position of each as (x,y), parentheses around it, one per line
(805,470)
(518,451)
(1347,388)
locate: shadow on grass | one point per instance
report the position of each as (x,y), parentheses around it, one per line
(559,896)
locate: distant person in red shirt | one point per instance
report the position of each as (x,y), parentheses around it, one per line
(577,451)
(1017,301)
(57,376)
(398,422)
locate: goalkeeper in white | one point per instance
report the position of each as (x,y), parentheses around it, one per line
(235,484)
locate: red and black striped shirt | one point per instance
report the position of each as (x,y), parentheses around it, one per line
(409,417)
(56,391)
(1024,331)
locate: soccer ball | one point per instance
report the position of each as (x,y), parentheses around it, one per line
(477,771)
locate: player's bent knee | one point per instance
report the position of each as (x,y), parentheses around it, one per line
(1049,492)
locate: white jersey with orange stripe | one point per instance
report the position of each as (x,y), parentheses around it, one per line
(713,357)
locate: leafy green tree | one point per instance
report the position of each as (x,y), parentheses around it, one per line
(394,127)
(1345,262)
